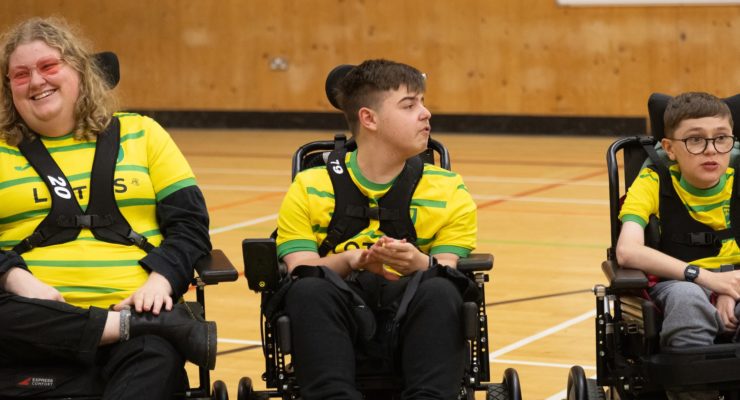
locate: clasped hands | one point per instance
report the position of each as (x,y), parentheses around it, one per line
(390,258)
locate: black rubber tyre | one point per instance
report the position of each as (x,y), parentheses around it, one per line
(219,391)
(497,391)
(511,382)
(595,392)
(577,384)
(246,390)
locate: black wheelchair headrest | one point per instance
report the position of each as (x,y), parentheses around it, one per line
(658,102)
(108,63)
(332,81)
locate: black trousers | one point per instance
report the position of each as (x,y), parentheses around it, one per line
(328,344)
(48,347)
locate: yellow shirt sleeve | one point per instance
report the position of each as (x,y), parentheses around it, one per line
(458,235)
(642,199)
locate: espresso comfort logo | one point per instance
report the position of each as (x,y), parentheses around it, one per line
(36,381)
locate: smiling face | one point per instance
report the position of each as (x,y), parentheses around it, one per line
(704,170)
(46,101)
(403,122)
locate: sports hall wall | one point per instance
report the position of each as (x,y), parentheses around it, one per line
(483,57)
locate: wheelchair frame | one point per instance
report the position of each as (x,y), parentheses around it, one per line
(211,269)
(263,271)
(627,324)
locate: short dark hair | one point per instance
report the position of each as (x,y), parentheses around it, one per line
(692,105)
(363,84)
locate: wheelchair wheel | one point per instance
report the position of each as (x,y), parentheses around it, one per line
(509,389)
(219,391)
(511,382)
(581,388)
(246,390)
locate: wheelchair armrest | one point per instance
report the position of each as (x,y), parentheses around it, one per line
(216,267)
(475,262)
(623,278)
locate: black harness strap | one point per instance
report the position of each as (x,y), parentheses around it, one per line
(66,218)
(352,213)
(681,236)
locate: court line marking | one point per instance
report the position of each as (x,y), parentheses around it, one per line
(243,224)
(547,332)
(497,361)
(541,364)
(494,198)
(527,193)
(239,341)
(467,178)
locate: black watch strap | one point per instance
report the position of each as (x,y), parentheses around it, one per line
(691,273)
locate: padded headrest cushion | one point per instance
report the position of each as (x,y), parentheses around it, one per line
(332,81)
(658,102)
(108,62)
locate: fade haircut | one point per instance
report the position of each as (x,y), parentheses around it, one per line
(364,84)
(95,103)
(692,105)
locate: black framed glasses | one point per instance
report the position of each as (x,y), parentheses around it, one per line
(697,144)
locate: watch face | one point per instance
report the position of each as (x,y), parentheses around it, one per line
(691,273)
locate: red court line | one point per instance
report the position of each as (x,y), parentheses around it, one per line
(541,189)
(247,201)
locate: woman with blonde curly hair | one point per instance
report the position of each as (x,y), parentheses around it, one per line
(100,227)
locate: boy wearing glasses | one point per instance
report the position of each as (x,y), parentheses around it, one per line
(692,201)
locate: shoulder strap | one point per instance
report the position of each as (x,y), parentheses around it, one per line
(59,226)
(113,226)
(397,202)
(682,236)
(66,219)
(350,206)
(352,213)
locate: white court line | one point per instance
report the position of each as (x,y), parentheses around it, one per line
(245,188)
(541,364)
(243,224)
(549,331)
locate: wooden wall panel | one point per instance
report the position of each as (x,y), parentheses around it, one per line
(482,56)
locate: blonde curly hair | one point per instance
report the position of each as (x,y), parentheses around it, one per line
(95,104)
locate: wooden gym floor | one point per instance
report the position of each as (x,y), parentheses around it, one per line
(542,211)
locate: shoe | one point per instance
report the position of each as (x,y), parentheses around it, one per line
(184,327)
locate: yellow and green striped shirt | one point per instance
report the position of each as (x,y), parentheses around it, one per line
(708,206)
(442,210)
(87,271)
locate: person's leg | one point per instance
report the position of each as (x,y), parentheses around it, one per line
(432,342)
(323,332)
(689,319)
(145,367)
(42,331)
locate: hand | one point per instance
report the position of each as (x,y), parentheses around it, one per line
(400,255)
(151,296)
(22,283)
(727,283)
(726,310)
(360,259)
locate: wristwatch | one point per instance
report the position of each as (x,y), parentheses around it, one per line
(690,273)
